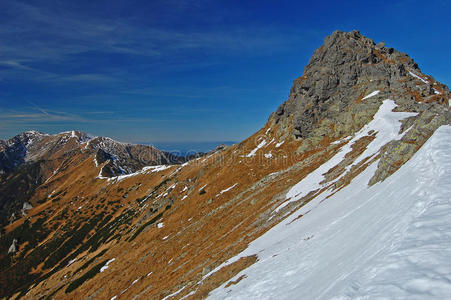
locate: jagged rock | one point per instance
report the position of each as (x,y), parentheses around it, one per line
(346,67)
(380,45)
(12,218)
(218,148)
(111,168)
(326,101)
(12,249)
(397,153)
(27,206)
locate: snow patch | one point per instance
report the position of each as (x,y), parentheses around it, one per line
(371,95)
(279,144)
(86,145)
(71,262)
(99,176)
(145,170)
(252,153)
(341,141)
(106,265)
(51,194)
(226,190)
(418,77)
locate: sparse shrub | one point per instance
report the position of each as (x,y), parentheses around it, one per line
(88,275)
(140,229)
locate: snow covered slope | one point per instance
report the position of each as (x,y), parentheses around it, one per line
(388,241)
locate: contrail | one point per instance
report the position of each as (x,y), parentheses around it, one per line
(38,108)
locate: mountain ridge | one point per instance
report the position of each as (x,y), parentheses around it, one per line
(23,145)
(321,105)
(39,157)
(177,230)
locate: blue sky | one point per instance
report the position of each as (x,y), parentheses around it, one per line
(165,71)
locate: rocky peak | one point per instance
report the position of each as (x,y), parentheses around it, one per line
(345,68)
(345,48)
(80,136)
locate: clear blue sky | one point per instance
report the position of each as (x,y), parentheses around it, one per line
(180,70)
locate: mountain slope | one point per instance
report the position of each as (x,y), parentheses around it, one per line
(32,159)
(390,240)
(35,146)
(355,117)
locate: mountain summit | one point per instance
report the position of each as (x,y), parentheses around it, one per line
(338,188)
(345,69)
(342,88)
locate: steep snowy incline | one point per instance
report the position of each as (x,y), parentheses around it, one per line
(386,125)
(391,240)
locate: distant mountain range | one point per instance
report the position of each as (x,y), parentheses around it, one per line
(33,158)
(188,148)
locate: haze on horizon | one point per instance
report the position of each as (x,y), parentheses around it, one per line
(180,71)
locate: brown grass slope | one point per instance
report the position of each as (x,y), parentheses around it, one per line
(167,229)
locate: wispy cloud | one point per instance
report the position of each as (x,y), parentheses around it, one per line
(36,114)
(15,65)
(39,109)
(33,114)
(43,35)
(83,65)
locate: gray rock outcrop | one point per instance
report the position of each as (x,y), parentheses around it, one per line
(328,99)
(13,248)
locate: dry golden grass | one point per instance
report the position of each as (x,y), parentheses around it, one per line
(202,227)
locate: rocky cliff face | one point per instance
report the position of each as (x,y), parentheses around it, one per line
(14,150)
(128,158)
(99,225)
(346,68)
(329,99)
